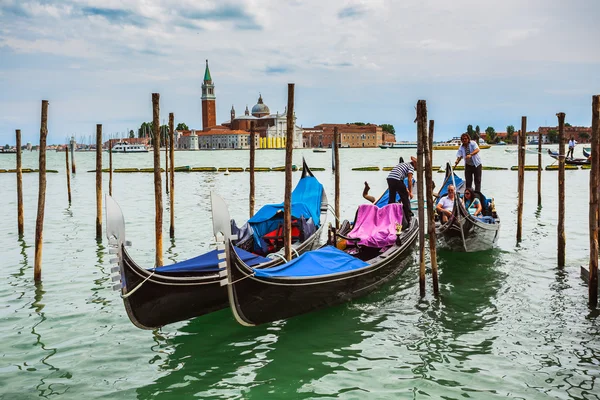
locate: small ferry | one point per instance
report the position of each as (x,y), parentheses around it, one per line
(399,145)
(454,144)
(124,147)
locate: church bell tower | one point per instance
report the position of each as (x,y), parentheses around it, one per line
(209,111)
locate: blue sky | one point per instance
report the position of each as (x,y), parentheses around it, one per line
(475,62)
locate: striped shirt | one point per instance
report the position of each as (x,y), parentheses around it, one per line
(401,171)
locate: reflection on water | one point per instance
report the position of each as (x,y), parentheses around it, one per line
(214,357)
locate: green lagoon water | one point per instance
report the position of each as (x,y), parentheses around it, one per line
(508,323)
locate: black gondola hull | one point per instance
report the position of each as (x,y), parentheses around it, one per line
(257,300)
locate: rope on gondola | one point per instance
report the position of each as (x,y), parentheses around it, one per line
(124,296)
(460,225)
(330,208)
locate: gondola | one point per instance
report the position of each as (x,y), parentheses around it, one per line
(571,161)
(587,154)
(372,255)
(159,296)
(462,231)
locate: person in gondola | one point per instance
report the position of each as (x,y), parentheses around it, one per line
(446,204)
(395,181)
(572,143)
(472,203)
(366,194)
(469,150)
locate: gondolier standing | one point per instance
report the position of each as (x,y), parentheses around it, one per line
(572,144)
(469,150)
(396,185)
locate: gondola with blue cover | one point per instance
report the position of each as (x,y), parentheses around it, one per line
(463,231)
(155,297)
(364,256)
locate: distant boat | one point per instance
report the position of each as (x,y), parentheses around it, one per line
(7,151)
(319,151)
(124,147)
(501,143)
(399,145)
(454,144)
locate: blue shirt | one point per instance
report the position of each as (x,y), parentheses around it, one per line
(474,157)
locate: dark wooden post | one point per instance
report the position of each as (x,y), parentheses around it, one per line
(428,152)
(110,168)
(561,190)
(167,158)
(336,151)
(421,126)
(521,183)
(594,184)
(172,171)
(99,182)
(539,177)
(20,217)
(72,145)
(252,155)
(158,205)
(39,223)
(289,145)
(68,173)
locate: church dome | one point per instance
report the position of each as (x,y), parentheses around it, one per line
(260,109)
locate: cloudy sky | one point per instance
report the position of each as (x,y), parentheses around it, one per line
(475,62)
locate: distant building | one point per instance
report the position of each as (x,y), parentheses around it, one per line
(187,140)
(582,134)
(351,135)
(270,129)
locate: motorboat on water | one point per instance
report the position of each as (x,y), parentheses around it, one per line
(399,145)
(124,147)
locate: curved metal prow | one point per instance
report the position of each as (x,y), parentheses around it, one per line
(220,217)
(115,222)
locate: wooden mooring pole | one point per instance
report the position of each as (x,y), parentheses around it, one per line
(428,153)
(98,181)
(336,157)
(166,138)
(521,179)
(289,145)
(158,204)
(594,207)
(20,217)
(68,173)
(539,176)
(252,159)
(172,171)
(561,190)
(39,223)
(421,127)
(110,168)
(72,146)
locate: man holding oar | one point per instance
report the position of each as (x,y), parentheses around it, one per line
(469,150)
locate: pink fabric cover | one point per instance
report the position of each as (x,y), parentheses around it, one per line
(376,227)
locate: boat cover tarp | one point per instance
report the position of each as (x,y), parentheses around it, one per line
(383,200)
(376,227)
(209,262)
(324,261)
(306,202)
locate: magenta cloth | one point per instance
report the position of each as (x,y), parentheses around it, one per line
(376,227)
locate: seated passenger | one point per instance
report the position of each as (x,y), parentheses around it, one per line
(472,203)
(446,204)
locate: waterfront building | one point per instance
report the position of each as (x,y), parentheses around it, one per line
(351,135)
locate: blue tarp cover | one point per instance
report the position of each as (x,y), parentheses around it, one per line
(306,202)
(444,189)
(209,262)
(324,261)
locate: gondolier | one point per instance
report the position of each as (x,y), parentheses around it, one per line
(396,185)
(469,150)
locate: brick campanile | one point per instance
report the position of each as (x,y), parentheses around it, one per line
(209,111)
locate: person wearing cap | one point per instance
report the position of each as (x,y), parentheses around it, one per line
(469,150)
(396,185)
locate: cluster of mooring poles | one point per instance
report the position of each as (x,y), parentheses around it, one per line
(70,148)
(424,174)
(591,275)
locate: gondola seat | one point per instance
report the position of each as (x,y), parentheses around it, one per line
(274,239)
